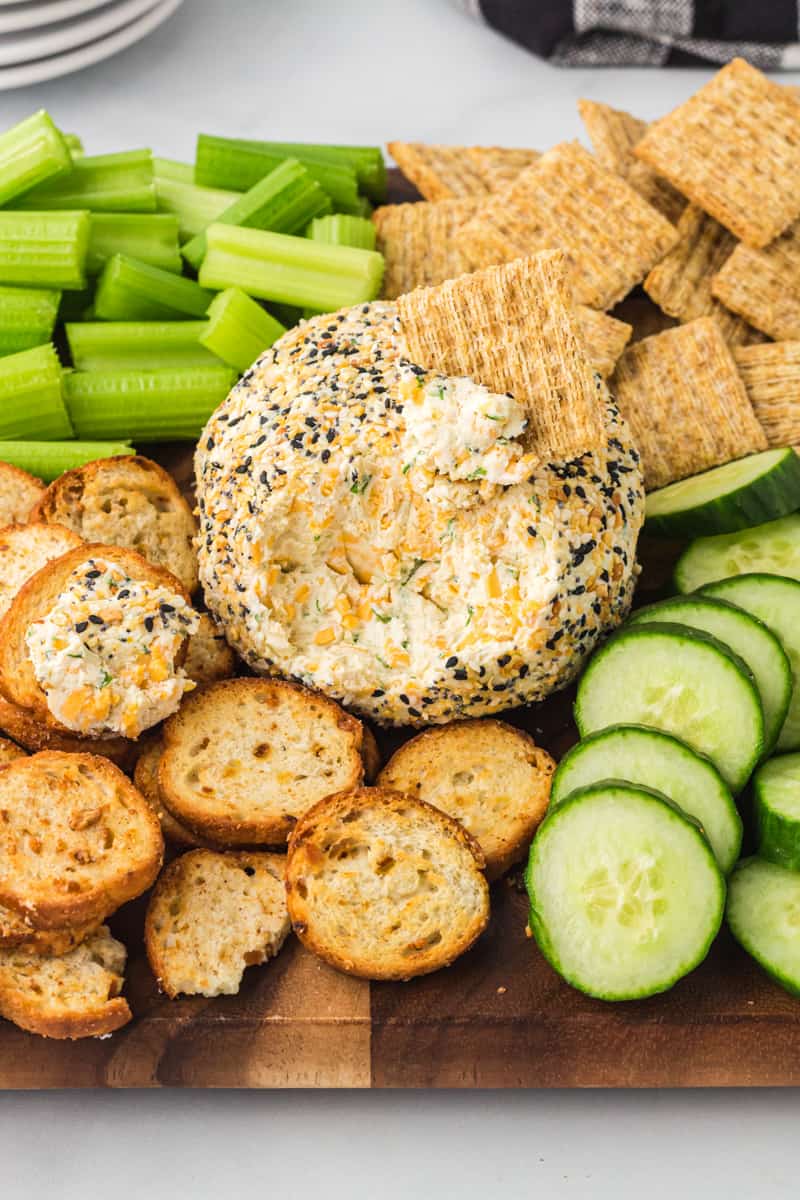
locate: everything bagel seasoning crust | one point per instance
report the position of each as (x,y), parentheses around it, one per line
(381,532)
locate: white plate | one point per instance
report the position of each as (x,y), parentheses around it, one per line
(75,60)
(28,14)
(69,35)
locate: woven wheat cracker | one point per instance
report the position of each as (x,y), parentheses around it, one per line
(417,243)
(604,338)
(771,374)
(763,286)
(439,172)
(500,165)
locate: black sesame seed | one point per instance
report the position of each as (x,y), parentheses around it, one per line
(93,617)
(81,627)
(452,661)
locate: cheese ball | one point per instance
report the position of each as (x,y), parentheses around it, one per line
(383,533)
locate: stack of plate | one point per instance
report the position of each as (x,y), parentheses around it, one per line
(40,39)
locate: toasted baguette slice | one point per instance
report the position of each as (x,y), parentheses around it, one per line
(76,995)
(17,934)
(491,777)
(18,682)
(19,493)
(127,501)
(145,777)
(25,549)
(244,758)
(371,756)
(384,886)
(210,916)
(209,658)
(30,732)
(76,840)
(10,751)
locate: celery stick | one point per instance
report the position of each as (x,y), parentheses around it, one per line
(283,201)
(343,230)
(44,249)
(237,163)
(31,404)
(27,317)
(150,237)
(48,460)
(146,345)
(130,290)
(101,183)
(238,329)
(195,207)
(170,168)
(291,270)
(367,162)
(168,404)
(30,152)
(73,144)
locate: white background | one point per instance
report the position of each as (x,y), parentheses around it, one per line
(368,71)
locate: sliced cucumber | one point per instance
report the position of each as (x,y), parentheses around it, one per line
(748,637)
(773,548)
(725,499)
(683,682)
(657,760)
(625,893)
(776,602)
(776,802)
(764,916)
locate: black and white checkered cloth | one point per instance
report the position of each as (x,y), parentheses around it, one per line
(612,33)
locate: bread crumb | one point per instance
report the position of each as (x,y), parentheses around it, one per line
(501,991)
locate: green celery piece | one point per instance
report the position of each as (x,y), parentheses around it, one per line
(283,201)
(27,317)
(343,230)
(195,207)
(30,153)
(238,163)
(238,329)
(129,290)
(367,162)
(365,208)
(146,345)
(170,168)
(150,237)
(73,144)
(168,404)
(31,403)
(48,460)
(100,182)
(290,270)
(44,249)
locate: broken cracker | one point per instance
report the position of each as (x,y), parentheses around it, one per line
(416,241)
(763,286)
(500,165)
(604,338)
(514,329)
(734,149)
(685,402)
(771,375)
(570,202)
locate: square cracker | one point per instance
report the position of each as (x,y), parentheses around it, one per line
(500,165)
(734,149)
(514,329)
(771,374)
(417,243)
(459,172)
(763,286)
(568,201)
(604,338)
(686,405)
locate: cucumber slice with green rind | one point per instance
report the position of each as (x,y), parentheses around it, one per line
(626,896)
(659,761)
(748,637)
(775,601)
(725,499)
(764,915)
(773,548)
(776,806)
(682,681)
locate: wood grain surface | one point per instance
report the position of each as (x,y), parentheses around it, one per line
(499,1017)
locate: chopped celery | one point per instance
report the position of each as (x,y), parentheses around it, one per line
(146,345)
(195,207)
(150,237)
(169,168)
(283,201)
(48,460)
(73,144)
(238,329)
(237,163)
(130,290)
(168,404)
(44,249)
(31,404)
(291,270)
(27,317)
(365,208)
(367,162)
(343,230)
(101,183)
(31,152)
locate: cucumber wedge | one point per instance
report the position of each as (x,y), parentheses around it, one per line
(776,602)
(683,682)
(773,548)
(626,896)
(776,803)
(748,637)
(725,499)
(764,916)
(657,760)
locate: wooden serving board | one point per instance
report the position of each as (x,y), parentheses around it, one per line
(499,1017)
